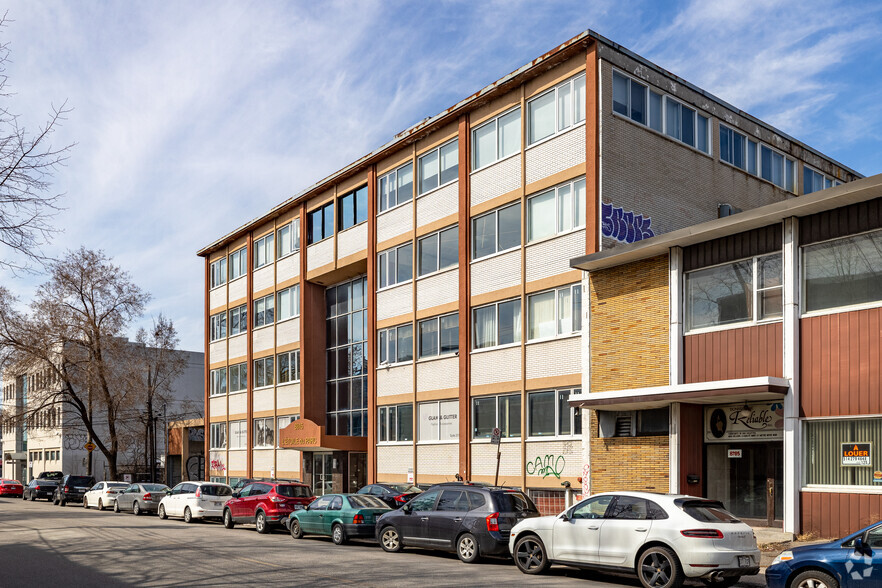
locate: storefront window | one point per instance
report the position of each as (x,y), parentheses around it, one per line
(843,272)
(843,452)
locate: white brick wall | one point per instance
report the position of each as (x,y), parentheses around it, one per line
(288,331)
(217,405)
(238,288)
(263,460)
(395,222)
(264,399)
(236,460)
(570,465)
(238,404)
(217,297)
(217,351)
(395,301)
(395,380)
(484,461)
(320,254)
(352,240)
(493,367)
(288,267)
(498,179)
(442,288)
(496,273)
(438,204)
(263,339)
(263,278)
(238,345)
(554,358)
(552,257)
(394,460)
(287,462)
(555,155)
(438,460)
(438,374)
(288,396)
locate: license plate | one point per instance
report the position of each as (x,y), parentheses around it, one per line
(218,503)
(744,561)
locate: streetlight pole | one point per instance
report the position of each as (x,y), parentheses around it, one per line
(165,437)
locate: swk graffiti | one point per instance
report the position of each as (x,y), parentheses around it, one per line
(548,465)
(626,227)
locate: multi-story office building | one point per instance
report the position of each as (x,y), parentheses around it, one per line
(413,302)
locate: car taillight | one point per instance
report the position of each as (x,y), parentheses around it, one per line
(66,489)
(402,498)
(493,522)
(357,519)
(277,499)
(702,533)
(146,497)
(198,492)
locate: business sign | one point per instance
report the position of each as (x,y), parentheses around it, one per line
(877,477)
(439,421)
(744,422)
(856,454)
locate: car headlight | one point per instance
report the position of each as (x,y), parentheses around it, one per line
(783,556)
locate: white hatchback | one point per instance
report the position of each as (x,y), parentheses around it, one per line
(103,494)
(195,500)
(663,538)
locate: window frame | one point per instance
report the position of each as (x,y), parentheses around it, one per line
(387,419)
(266,246)
(757,159)
(354,194)
(267,316)
(438,269)
(575,291)
(237,367)
(497,345)
(217,376)
(393,176)
(382,262)
(255,432)
(238,259)
(496,250)
(295,298)
(265,365)
(504,437)
(418,176)
(322,211)
(214,436)
(575,415)
(419,339)
(294,355)
(217,326)
(825,178)
(242,320)
(239,424)
(437,405)
(218,273)
(558,231)
(386,334)
(571,83)
(294,239)
(279,426)
(495,122)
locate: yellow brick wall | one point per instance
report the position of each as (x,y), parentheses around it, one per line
(628,463)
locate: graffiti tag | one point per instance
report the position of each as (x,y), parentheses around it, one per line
(218,465)
(626,227)
(547,465)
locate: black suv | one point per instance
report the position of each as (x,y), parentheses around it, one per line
(470,519)
(72,488)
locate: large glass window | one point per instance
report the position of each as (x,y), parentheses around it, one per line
(320,223)
(549,414)
(502,411)
(439,421)
(238,434)
(218,436)
(263,251)
(742,291)
(289,366)
(438,251)
(396,344)
(757,159)
(395,266)
(289,302)
(219,272)
(264,432)
(218,385)
(556,110)
(557,211)
(218,326)
(288,238)
(439,335)
(238,263)
(842,272)
(352,208)
(439,166)
(263,372)
(396,423)
(825,444)
(396,187)
(496,231)
(814,181)
(556,312)
(496,139)
(284,421)
(497,324)
(346,358)
(238,377)
(264,311)
(239,320)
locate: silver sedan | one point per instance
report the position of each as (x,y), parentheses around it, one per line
(140,498)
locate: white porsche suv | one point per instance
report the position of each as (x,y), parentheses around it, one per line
(663,538)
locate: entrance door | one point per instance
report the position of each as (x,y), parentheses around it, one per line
(748,478)
(322,473)
(357,471)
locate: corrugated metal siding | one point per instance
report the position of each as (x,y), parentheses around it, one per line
(830,515)
(848,220)
(734,353)
(691,448)
(733,247)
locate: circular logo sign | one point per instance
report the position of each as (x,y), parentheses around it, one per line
(718,423)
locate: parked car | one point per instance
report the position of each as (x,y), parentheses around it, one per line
(395,495)
(853,561)
(663,538)
(72,488)
(195,500)
(339,516)
(245,481)
(472,520)
(140,498)
(265,504)
(39,488)
(11,488)
(103,494)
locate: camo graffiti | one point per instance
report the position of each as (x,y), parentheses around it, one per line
(625,227)
(547,465)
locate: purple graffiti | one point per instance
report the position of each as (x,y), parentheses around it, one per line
(626,227)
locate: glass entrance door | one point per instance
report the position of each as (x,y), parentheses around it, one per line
(357,471)
(322,473)
(748,478)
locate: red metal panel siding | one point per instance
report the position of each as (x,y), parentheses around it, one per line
(841,363)
(831,515)
(734,353)
(691,447)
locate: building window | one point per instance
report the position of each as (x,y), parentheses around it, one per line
(238,377)
(496,231)
(633,423)
(396,187)
(353,208)
(284,421)
(814,181)
(660,112)
(438,421)
(238,264)
(346,358)
(263,372)
(218,326)
(823,451)
(218,435)
(395,265)
(556,110)
(557,211)
(556,312)
(396,423)
(757,159)
(264,432)
(289,302)
(289,367)
(320,223)
(238,434)
(743,291)
(218,382)
(396,344)
(439,335)
(549,414)
(496,139)
(289,238)
(263,251)
(842,272)
(497,324)
(219,272)
(239,320)
(439,166)
(438,251)
(489,412)
(264,311)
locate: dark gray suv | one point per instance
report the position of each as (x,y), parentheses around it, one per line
(72,489)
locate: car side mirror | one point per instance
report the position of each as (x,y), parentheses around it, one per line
(859,545)
(168,492)
(565,516)
(407,509)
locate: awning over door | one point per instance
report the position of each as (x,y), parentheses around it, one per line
(306,435)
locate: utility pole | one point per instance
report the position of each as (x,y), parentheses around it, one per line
(165,438)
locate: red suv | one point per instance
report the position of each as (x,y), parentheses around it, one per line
(265,504)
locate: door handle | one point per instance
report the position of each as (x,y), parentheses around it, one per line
(457,519)
(640,529)
(321,516)
(424,518)
(593,528)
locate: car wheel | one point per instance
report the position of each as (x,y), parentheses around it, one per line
(658,567)
(85,503)
(726,582)
(530,556)
(467,548)
(390,540)
(228,519)
(100,504)
(188,516)
(54,500)
(296,531)
(116,506)
(136,508)
(814,579)
(161,512)
(260,523)
(338,535)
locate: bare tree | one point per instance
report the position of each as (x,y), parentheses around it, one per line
(27,162)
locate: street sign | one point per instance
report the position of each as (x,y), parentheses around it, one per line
(494,439)
(127,478)
(90,447)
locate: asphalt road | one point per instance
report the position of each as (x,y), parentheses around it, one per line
(42,545)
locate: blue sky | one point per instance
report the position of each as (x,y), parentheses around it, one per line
(191,118)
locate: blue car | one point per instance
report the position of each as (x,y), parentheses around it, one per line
(854,561)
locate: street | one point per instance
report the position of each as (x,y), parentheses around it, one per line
(45,544)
